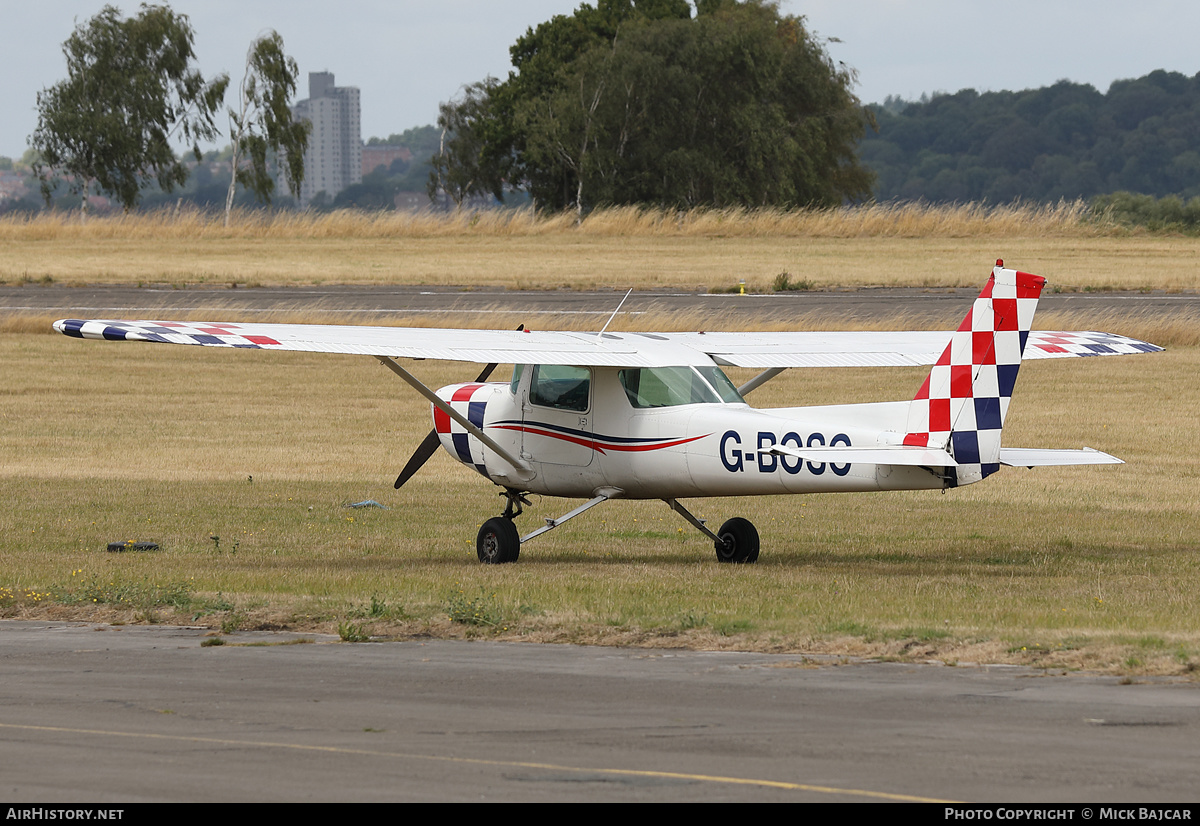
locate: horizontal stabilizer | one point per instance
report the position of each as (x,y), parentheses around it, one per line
(1034,457)
(889,455)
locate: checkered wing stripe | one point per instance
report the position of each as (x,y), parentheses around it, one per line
(1054,344)
(168,332)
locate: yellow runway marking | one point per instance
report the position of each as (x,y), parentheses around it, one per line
(704,778)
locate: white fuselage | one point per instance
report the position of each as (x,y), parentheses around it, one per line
(678,451)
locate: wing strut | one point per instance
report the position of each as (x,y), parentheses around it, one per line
(525,472)
(759,380)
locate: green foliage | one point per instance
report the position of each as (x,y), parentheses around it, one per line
(1064,141)
(481,610)
(263,123)
(141,594)
(233,622)
(353,632)
(130,89)
(1168,214)
(379,610)
(784,283)
(731,626)
(465,165)
(422,141)
(628,103)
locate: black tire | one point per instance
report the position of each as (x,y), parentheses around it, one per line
(739,542)
(498,541)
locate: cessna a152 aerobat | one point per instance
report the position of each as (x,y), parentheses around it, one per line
(601,416)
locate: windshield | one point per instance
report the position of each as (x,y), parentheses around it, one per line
(671,386)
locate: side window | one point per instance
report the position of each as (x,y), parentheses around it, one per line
(560,386)
(518,369)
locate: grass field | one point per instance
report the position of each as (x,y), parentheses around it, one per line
(1076,567)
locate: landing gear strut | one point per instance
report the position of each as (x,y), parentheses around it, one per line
(737,541)
(498,540)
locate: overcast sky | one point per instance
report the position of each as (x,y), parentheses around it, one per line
(407,55)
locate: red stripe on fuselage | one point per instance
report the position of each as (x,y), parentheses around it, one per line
(599,447)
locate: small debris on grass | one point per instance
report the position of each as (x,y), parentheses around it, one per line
(130,545)
(367,503)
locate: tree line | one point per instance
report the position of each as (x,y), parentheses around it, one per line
(1064,141)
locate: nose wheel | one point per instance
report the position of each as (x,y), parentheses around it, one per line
(498,541)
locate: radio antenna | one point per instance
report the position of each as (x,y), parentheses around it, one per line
(614,314)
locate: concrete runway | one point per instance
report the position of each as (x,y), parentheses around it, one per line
(372,304)
(144,713)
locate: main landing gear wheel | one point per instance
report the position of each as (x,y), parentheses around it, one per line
(739,541)
(498,542)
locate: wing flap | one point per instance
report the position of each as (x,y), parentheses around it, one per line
(870,348)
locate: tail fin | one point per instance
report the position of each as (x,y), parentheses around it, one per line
(962,404)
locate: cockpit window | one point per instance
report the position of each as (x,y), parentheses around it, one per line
(516,379)
(560,386)
(671,386)
(720,382)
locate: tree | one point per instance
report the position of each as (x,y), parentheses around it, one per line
(639,102)
(263,122)
(130,89)
(463,165)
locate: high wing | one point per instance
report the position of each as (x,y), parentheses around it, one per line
(761,350)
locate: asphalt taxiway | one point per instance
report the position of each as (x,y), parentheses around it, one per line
(375,304)
(145,713)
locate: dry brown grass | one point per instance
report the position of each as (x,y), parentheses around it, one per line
(617,248)
(1065,219)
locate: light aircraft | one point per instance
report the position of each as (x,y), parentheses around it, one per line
(601,416)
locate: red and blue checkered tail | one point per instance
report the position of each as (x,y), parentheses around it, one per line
(961,406)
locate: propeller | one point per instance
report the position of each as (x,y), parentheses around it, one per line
(430,443)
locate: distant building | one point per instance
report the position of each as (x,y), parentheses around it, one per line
(334,157)
(383,154)
(12,185)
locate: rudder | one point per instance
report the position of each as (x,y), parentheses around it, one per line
(961,406)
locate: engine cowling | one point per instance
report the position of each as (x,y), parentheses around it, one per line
(472,400)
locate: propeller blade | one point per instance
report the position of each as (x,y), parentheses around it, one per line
(427,448)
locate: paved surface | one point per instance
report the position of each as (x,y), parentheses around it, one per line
(128,714)
(372,303)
